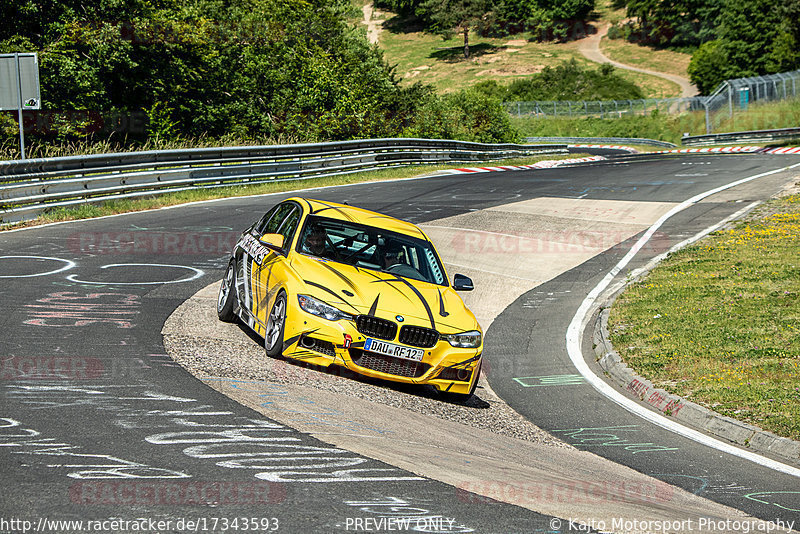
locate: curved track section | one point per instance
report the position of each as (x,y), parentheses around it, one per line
(97,422)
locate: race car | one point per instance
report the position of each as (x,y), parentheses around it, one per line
(332,284)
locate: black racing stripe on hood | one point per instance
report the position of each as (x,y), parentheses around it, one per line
(374,307)
(442,311)
(403,293)
(336,295)
(424,302)
(345,279)
(417,293)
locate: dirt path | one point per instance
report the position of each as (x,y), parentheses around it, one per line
(373,24)
(590,48)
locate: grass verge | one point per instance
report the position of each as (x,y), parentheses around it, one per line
(661,126)
(124,205)
(718,323)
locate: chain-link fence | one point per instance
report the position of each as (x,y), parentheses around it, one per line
(740,93)
(731,95)
(608,109)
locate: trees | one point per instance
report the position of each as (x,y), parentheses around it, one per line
(673,22)
(754,37)
(546,19)
(448,16)
(251,70)
(733,38)
(570,81)
(709,66)
(246,68)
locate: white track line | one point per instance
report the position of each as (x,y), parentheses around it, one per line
(576,328)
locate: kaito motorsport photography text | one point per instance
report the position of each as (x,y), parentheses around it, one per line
(650,526)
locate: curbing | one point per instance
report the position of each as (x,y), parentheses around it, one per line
(744,434)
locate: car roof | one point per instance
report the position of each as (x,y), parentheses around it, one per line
(343,212)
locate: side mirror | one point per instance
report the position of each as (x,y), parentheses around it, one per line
(273,241)
(462,283)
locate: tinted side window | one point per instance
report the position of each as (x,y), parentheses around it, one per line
(289,226)
(262,224)
(275,222)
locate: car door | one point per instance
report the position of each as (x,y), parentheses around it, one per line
(269,275)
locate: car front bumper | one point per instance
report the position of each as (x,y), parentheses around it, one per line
(317,341)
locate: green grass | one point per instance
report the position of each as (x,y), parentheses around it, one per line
(661,60)
(427,58)
(718,323)
(664,127)
(604,10)
(123,205)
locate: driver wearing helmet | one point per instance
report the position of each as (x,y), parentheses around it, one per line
(391,254)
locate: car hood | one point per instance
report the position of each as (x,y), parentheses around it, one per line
(362,291)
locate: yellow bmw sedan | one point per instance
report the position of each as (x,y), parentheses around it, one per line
(332,284)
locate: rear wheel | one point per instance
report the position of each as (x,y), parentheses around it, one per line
(226,301)
(273,339)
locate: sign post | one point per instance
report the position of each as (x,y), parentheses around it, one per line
(19,87)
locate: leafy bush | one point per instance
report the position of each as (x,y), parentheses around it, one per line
(467,115)
(568,81)
(252,69)
(709,66)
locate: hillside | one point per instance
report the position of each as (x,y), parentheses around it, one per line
(427,58)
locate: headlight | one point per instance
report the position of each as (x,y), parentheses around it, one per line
(320,309)
(464,340)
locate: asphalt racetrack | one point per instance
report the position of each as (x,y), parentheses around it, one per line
(98,424)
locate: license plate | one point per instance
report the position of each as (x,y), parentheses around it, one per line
(390,349)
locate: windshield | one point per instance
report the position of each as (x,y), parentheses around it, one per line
(371,248)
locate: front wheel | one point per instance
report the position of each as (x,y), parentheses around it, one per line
(273,339)
(226,301)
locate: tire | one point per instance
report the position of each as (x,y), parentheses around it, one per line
(273,338)
(226,300)
(461,398)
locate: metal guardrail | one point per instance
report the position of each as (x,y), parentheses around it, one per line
(604,140)
(755,136)
(29,187)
